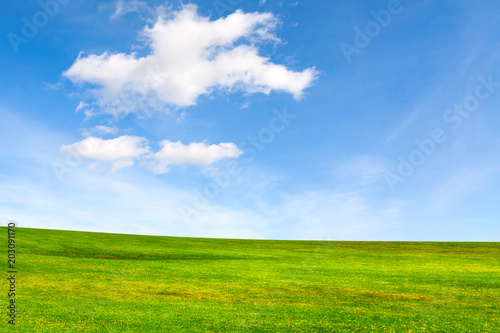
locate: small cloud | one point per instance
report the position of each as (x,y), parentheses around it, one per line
(120,151)
(245,105)
(106,129)
(197,153)
(100,130)
(181,117)
(55,86)
(88,111)
(82,105)
(130,6)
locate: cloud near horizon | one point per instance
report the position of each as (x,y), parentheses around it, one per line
(123,151)
(190,56)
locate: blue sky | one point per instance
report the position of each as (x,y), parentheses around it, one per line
(252,119)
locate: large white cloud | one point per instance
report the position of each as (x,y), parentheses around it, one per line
(122,151)
(198,153)
(190,56)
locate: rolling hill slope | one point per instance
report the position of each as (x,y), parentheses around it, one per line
(93,282)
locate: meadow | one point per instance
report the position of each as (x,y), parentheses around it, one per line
(71,281)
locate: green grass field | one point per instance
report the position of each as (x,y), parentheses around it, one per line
(92,282)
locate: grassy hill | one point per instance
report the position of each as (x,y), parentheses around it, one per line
(92,282)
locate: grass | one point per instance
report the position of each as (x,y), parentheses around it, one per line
(92,282)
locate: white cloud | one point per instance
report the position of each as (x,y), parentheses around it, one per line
(120,151)
(190,56)
(198,153)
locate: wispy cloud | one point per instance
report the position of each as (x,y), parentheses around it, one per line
(322,214)
(124,7)
(98,130)
(149,206)
(361,170)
